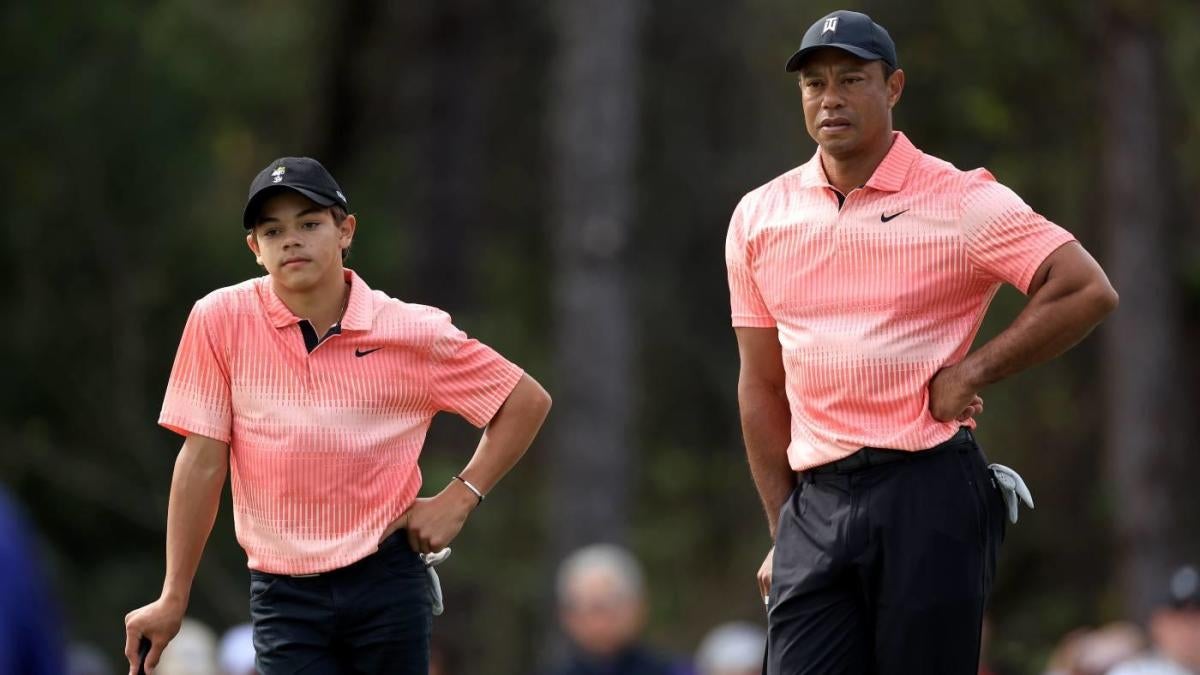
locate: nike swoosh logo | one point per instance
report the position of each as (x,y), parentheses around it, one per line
(883,217)
(363,352)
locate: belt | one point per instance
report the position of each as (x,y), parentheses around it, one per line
(867,457)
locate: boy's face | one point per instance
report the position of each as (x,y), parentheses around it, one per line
(298,242)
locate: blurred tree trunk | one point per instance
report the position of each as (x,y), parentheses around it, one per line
(454,153)
(594,121)
(443,101)
(1142,351)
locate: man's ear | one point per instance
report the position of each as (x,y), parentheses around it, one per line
(252,242)
(895,87)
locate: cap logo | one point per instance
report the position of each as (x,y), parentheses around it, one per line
(830,25)
(340,195)
(277,174)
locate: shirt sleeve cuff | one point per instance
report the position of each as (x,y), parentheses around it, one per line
(482,414)
(745,321)
(187,427)
(1046,247)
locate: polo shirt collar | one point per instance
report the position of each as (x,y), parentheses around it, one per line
(890,174)
(812,174)
(888,177)
(358,315)
(359,312)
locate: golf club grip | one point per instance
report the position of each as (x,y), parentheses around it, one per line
(143,650)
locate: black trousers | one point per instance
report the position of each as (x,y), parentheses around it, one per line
(373,616)
(886,569)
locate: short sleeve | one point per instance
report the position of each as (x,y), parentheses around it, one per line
(198,398)
(746,303)
(469,378)
(1005,238)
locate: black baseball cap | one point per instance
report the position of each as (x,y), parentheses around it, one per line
(851,31)
(302,174)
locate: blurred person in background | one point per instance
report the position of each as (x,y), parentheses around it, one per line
(235,653)
(192,652)
(1174,631)
(30,627)
(602,607)
(442,658)
(87,659)
(985,641)
(734,648)
(1093,651)
(858,282)
(314,393)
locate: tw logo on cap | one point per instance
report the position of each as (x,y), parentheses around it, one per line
(830,25)
(277,174)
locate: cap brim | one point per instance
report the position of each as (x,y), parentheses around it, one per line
(250,213)
(793,64)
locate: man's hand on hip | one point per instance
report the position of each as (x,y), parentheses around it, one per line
(952,397)
(158,622)
(433,523)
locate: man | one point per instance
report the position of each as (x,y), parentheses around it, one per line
(317,393)
(858,281)
(734,648)
(1174,630)
(603,611)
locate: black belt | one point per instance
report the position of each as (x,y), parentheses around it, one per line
(868,457)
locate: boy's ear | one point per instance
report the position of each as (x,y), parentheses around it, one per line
(348,228)
(252,242)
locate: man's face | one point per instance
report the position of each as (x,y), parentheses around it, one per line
(1176,633)
(599,614)
(847,101)
(298,242)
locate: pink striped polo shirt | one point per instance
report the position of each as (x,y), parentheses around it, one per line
(324,445)
(872,299)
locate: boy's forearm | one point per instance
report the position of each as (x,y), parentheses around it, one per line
(508,435)
(196,484)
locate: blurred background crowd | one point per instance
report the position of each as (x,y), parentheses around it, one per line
(559,176)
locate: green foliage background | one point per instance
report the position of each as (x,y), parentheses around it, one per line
(133,128)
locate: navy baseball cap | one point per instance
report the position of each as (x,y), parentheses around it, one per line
(302,174)
(850,31)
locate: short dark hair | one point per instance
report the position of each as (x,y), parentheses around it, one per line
(339,216)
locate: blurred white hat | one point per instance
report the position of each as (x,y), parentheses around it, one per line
(192,652)
(236,653)
(730,648)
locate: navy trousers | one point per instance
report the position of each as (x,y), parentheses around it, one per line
(370,617)
(885,570)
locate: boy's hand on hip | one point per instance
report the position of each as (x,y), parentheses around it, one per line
(433,523)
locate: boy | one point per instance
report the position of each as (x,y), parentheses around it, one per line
(317,392)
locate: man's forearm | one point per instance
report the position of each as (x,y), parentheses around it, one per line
(509,434)
(1055,320)
(766,428)
(196,484)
